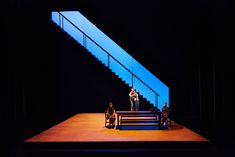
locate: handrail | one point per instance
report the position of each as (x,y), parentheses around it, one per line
(108,53)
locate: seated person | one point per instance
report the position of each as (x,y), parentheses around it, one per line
(110,114)
(165,114)
(165,108)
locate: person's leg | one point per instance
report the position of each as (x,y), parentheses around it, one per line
(134,109)
(137,105)
(112,121)
(132,105)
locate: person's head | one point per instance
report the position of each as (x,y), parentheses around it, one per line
(110,104)
(132,89)
(165,103)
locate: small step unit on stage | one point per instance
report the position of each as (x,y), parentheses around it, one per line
(138,118)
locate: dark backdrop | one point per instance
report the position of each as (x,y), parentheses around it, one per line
(186,44)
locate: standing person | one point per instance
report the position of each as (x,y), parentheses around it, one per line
(110,114)
(136,108)
(134,100)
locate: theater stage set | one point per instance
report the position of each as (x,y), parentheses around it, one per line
(86,133)
(141,130)
(51,75)
(89,127)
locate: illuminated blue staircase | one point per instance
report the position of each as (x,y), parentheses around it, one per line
(112,56)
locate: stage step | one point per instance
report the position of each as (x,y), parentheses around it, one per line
(139,115)
(140,124)
(138,118)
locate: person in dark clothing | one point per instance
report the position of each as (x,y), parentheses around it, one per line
(110,114)
(165,114)
(165,108)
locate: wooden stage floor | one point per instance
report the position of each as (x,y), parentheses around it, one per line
(89,127)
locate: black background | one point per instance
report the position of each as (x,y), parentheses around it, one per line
(186,44)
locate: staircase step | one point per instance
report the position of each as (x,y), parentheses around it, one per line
(139,124)
(139,121)
(92,61)
(138,118)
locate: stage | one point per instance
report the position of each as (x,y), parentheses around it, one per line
(89,127)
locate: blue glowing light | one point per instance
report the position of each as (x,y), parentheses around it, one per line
(120,55)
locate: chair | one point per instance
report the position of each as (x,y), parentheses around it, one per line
(106,119)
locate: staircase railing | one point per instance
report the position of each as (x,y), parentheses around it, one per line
(105,57)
